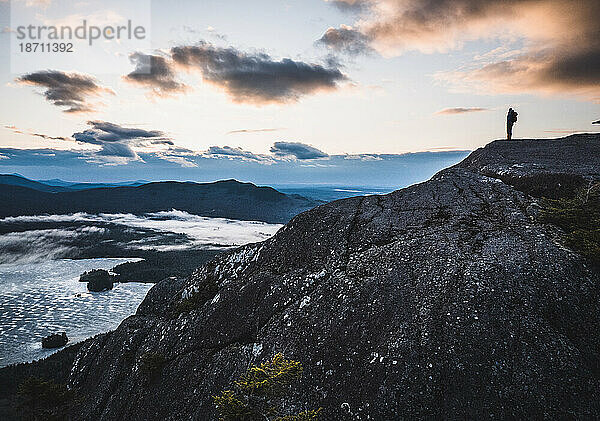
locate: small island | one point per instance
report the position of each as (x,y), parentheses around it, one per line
(98,280)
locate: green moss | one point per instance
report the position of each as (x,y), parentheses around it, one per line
(259,393)
(44,400)
(579,218)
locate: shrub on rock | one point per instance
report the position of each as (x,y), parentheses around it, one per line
(259,393)
(56,340)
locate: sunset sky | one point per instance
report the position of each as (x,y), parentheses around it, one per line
(300,82)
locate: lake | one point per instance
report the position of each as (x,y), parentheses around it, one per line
(40,298)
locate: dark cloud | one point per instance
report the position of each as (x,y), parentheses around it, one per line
(281,151)
(297,150)
(71,90)
(155,73)
(256,78)
(563,70)
(117,142)
(163,142)
(350,5)
(461,110)
(114,132)
(428,25)
(346,39)
(561,54)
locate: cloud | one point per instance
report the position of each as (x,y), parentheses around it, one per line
(281,151)
(117,142)
(113,132)
(256,78)
(347,40)
(155,73)
(254,130)
(179,160)
(561,53)
(565,70)
(297,150)
(461,110)
(228,151)
(364,157)
(30,133)
(349,5)
(179,156)
(426,25)
(71,90)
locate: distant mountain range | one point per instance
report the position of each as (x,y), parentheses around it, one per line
(226,199)
(17,180)
(56,185)
(83,186)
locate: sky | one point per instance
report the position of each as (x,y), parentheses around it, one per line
(304,90)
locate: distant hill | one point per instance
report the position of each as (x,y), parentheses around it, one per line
(83,186)
(227,199)
(17,180)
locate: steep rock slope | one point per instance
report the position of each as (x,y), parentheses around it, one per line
(447,299)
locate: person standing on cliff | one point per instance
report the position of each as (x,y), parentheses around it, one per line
(511,119)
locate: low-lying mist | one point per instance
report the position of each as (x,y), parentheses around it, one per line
(26,239)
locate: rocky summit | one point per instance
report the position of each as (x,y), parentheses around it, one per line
(449,299)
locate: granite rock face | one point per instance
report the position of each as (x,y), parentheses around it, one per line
(447,299)
(547,167)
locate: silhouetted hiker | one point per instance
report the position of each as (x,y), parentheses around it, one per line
(511,119)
